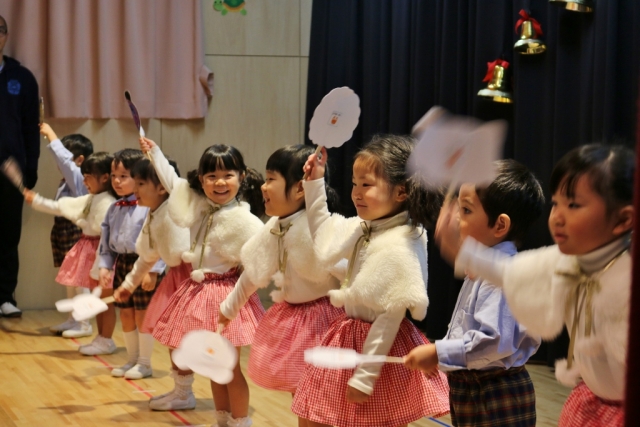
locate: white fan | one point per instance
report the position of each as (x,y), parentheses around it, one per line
(85,306)
(334,119)
(208,354)
(344,358)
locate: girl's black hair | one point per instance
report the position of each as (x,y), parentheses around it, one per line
(226,157)
(128,157)
(610,169)
(97,164)
(251,192)
(387,156)
(78,144)
(288,162)
(143,169)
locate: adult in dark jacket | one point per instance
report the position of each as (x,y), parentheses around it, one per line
(20,139)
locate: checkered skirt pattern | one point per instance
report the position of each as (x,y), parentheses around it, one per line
(166,289)
(585,409)
(497,397)
(276,361)
(140,298)
(195,306)
(400,395)
(64,235)
(76,266)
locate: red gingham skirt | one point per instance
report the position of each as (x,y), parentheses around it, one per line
(585,409)
(165,290)
(195,306)
(76,266)
(276,361)
(400,395)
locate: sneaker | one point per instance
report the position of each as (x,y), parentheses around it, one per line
(81,329)
(99,345)
(60,328)
(10,310)
(138,372)
(174,402)
(119,372)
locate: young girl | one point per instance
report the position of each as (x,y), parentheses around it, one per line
(283,252)
(160,238)
(79,268)
(208,204)
(69,153)
(386,247)
(583,281)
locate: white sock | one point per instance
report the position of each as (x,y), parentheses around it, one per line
(131,344)
(146,349)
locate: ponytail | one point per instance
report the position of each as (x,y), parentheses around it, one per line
(423,204)
(251,192)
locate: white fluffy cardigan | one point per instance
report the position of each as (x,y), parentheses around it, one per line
(233,225)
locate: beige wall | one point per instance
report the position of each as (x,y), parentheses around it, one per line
(260,63)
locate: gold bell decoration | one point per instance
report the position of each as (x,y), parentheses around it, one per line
(529,44)
(497,89)
(575,5)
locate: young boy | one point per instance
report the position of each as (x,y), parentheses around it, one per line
(485,349)
(120,230)
(69,154)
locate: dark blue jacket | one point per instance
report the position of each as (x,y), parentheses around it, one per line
(19,117)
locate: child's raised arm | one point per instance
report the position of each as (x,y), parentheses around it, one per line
(166,173)
(64,159)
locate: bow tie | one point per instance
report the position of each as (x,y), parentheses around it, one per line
(123,202)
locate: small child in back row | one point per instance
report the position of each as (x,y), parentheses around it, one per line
(485,349)
(583,282)
(68,153)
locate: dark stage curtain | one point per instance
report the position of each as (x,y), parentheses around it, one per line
(404,56)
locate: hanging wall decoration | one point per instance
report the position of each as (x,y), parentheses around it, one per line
(529,44)
(226,6)
(497,90)
(575,5)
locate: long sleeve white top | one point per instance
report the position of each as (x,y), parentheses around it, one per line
(75,210)
(537,285)
(160,238)
(396,257)
(304,278)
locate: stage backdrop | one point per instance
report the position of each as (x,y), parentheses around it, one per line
(404,56)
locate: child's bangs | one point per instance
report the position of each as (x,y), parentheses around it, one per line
(368,163)
(213,161)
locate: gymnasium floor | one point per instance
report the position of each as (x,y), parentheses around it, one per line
(46,382)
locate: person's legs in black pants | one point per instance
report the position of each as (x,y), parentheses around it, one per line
(10,226)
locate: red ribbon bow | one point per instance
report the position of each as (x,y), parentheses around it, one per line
(525,17)
(123,202)
(491,65)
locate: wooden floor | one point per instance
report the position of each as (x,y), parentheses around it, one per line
(44,381)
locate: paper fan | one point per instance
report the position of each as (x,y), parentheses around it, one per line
(12,171)
(85,306)
(343,358)
(454,150)
(134,113)
(208,354)
(335,118)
